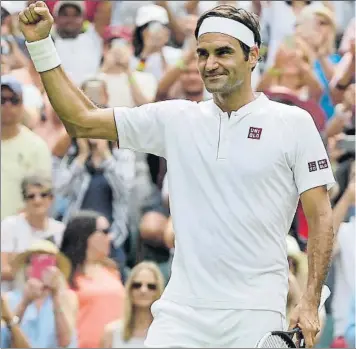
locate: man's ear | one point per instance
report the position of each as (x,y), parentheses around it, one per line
(254,56)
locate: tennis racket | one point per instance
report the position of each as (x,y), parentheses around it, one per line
(285,339)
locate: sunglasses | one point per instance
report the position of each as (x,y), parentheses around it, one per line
(42,195)
(14,100)
(106,231)
(138,286)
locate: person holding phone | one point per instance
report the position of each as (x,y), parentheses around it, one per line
(11,322)
(41,301)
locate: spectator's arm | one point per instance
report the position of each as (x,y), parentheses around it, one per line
(310,80)
(18,59)
(102,16)
(62,145)
(173,23)
(65,306)
(136,91)
(18,338)
(6,270)
(341,208)
(191,6)
(338,122)
(172,75)
(327,66)
(343,76)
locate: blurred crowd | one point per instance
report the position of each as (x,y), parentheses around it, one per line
(86,233)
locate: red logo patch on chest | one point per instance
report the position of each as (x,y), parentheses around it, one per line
(254,133)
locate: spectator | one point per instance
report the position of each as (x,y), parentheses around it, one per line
(190,85)
(278,19)
(94,278)
(126,87)
(151,53)
(41,299)
(344,252)
(100,178)
(144,286)
(80,53)
(20,231)
(8,320)
(292,72)
(316,26)
(23,152)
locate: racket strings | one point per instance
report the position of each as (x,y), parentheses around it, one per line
(274,341)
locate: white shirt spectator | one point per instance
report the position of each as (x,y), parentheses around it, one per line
(344,276)
(234,184)
(80,56)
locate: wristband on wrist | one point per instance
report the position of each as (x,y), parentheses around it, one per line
(44,54)
(141,65)
(131,78)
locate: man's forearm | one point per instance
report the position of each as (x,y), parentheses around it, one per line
(320,246)
(67,100)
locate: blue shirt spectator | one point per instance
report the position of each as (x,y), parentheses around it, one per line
(326,102)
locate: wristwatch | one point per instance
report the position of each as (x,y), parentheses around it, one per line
(13,322)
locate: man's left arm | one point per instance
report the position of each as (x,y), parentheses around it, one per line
(318,212)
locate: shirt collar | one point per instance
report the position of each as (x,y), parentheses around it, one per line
(255,105)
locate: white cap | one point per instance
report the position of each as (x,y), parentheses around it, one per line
(151,13)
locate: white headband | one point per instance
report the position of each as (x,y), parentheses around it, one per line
(229,27)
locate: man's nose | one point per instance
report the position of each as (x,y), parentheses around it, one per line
(211,64)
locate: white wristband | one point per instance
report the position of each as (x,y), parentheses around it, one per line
(44,54)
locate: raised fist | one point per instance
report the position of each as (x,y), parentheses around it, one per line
(36,21)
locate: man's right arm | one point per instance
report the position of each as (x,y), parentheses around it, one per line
(81,118)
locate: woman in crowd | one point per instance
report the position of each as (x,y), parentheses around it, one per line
(292,72)
(41,300)
(144,286)
(94,277)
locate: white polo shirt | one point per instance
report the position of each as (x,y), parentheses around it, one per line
(234,185)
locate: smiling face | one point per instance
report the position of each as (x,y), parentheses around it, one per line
(222,63)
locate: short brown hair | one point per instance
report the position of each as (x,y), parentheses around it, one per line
(249,19)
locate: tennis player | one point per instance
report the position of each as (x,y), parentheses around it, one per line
(237,166)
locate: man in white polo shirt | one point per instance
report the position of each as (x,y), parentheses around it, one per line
(237,166)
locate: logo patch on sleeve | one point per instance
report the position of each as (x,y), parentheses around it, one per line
(254,133)
(323,164)
(312,166)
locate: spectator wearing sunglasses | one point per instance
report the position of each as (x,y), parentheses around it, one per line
(19,232)
(94,277)
(23,152)
(143,287)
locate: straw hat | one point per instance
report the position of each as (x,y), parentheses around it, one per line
(47,247)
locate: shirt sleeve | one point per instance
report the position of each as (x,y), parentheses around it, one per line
(311,165)
(142,128)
